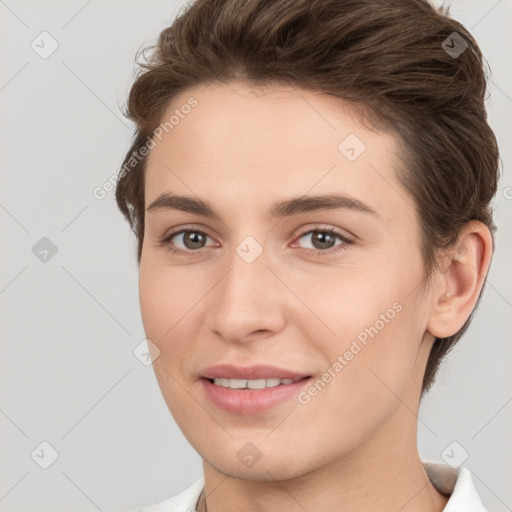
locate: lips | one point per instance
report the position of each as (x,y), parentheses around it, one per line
(251,401)
(259,371)
(245,395)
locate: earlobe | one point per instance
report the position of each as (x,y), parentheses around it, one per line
(459,280)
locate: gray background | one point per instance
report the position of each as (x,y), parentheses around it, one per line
(68,375)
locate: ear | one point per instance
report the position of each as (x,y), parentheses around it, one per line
(459,280)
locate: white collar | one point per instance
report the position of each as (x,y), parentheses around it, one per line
(456,483)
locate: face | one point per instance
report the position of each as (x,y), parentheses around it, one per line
(296,248)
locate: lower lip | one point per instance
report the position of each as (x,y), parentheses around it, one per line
(251,401)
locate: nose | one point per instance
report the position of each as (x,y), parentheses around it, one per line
(248,302)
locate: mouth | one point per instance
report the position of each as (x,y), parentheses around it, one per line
(244,397)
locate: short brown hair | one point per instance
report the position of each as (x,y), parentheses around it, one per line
(389,58)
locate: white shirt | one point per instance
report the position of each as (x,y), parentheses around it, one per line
(456,483)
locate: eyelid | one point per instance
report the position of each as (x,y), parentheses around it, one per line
(185,227)
(343,233)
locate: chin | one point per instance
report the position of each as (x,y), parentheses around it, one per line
(260,472)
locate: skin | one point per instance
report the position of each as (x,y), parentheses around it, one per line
(353,446)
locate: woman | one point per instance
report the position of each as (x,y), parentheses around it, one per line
(310,187)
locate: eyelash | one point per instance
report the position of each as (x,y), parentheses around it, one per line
(317,252)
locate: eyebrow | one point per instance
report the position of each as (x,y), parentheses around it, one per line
(281,209)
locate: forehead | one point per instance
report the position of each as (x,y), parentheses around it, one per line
(267,142)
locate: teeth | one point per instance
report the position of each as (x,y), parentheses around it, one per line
(251,384)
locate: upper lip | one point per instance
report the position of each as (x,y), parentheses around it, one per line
(257,371)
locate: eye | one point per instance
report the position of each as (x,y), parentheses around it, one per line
(185,241)
(323,240)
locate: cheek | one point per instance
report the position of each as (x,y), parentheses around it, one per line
(152,301)
(375,324)
(368,370)
(160,313)
(164,306)
(165,297)
(169,307)
(348,300)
